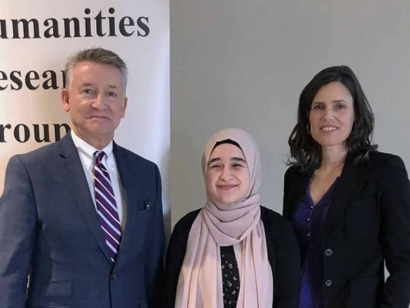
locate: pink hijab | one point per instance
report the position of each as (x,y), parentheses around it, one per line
(238,224)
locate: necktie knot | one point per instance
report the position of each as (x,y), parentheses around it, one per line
(99,155)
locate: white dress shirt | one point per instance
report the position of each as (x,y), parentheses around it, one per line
(86,153)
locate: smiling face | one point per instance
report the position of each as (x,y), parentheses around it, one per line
(332,115)
(96,102)
(227,175)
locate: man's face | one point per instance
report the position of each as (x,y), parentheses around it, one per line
(96,101)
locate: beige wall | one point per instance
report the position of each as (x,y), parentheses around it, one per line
(243,63)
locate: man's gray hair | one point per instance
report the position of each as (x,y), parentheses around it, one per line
(96,55)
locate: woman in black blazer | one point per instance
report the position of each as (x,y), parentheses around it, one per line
(349,204)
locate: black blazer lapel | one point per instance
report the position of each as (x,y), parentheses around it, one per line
(298,182)
(77,184)
(351,182)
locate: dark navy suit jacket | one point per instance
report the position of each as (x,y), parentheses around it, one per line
(49,229)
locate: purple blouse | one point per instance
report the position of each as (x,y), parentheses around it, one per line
(309,225)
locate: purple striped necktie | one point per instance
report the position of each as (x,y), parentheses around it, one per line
(106,206)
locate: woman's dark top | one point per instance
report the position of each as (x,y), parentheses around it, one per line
(309,224)
(283,255)
(367,227)
(230,277)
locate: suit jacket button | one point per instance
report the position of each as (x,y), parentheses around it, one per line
(328,252)
(328,283)
(114,276)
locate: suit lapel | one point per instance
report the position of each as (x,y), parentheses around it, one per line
(296,190)
(78,186)
(130,184)
(351,182)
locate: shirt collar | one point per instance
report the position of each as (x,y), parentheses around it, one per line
(87,151)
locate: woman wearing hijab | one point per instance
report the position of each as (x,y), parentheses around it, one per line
(349,204)
(232,252)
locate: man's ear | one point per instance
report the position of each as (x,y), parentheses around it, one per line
(65,99)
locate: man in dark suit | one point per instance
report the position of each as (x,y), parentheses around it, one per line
(83,216)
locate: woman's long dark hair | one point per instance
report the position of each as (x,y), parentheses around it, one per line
(305,152)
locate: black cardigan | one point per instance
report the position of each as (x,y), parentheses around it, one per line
(283,255)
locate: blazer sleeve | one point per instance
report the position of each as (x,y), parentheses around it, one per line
(395,233)
(173,264)
(287,271)
(18,220)
(175,257)
(290,176)
(286,184)
(154,259)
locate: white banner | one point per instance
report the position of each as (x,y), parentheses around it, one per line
(36,37)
